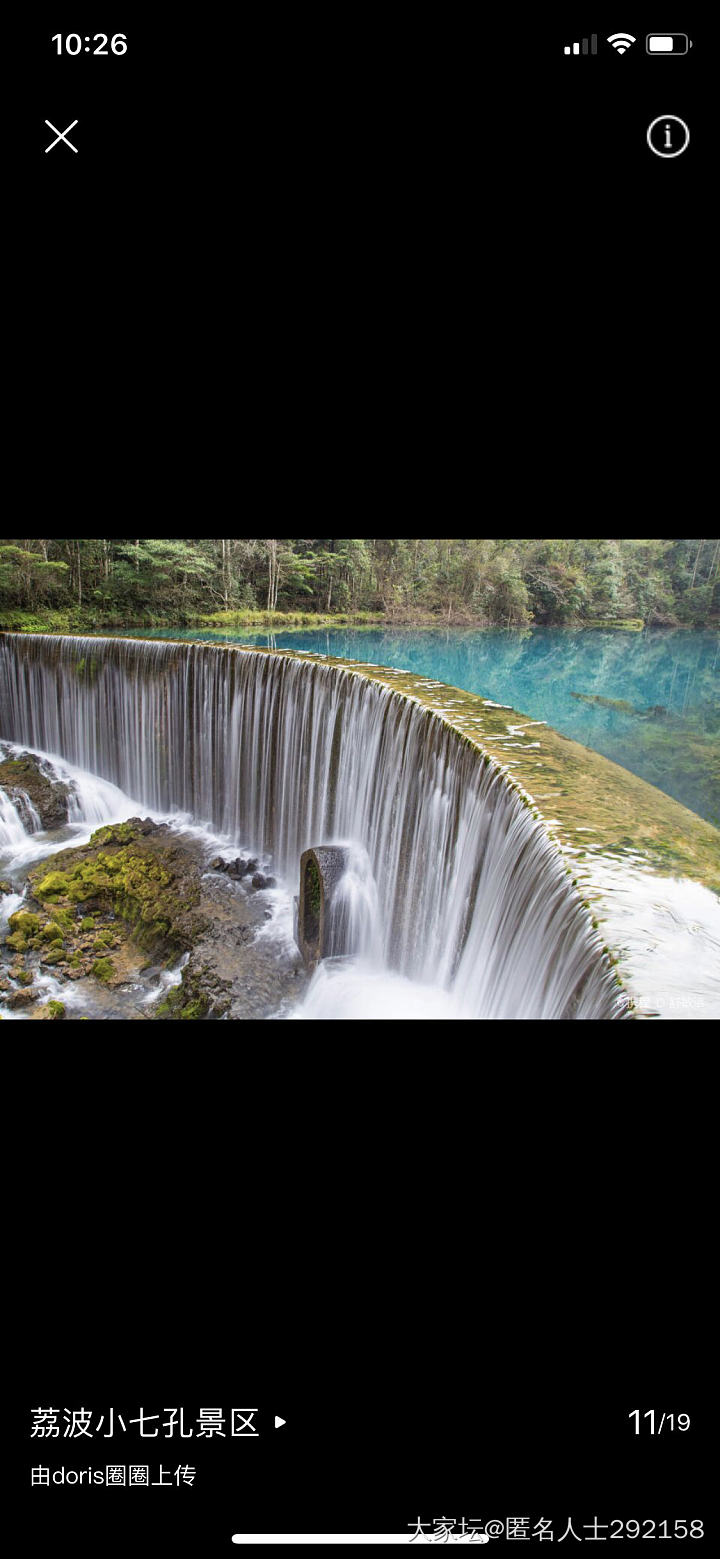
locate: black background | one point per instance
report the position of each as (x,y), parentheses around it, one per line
(454,1278)
(364,116)
(304,246)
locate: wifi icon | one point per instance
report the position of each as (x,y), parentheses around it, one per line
(621,41)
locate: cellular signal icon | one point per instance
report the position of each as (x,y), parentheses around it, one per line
(621,41)
(589,46)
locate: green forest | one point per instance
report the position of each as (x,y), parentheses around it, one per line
(83,584)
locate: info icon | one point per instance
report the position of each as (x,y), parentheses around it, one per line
(668,136)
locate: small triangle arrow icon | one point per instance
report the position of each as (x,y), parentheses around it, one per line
(279,1422)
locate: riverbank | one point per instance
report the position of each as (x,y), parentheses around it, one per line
(82,621)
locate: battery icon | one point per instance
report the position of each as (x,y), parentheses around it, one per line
(667,43)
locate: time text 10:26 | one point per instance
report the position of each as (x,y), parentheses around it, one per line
(74,44)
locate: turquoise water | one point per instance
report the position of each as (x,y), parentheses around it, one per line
(663,718)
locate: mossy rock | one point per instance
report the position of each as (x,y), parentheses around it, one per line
(103,969)
(52,886)
(187,1000)
(54,955)
(24,977)
(133,872)
(173,1007)
(16,941)
(23,921)
(115,833)
(53,1010)
(104,941)
(24,777)
(5,886)
(52,932)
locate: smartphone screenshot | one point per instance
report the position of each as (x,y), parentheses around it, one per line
(358,258)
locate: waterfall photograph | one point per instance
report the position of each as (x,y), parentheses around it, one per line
(344,779)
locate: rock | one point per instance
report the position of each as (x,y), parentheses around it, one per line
(25,780)
(52,1010)
(263,882)
(137,878)
(237,868)
(217,864)
(22,999)
(17,941)
(242,868)
(104,970)
(5,886)
(23,921)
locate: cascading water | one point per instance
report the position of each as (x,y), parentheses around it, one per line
(12,827)
(355,915)
(91,801)
(464,887)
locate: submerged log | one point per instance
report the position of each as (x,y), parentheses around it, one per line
(321,868)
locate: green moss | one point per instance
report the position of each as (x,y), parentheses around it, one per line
(312,887)
(114,833)
(52,932)
(124,871)
(103,969)
(54,955)
(186,1000)
(88,880)
(16,941)
(24,977)
(53,885)
(22,920)
(55,1009)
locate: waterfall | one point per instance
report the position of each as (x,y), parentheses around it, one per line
(279,754)
(91,801)
(355,915)
(12,827)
